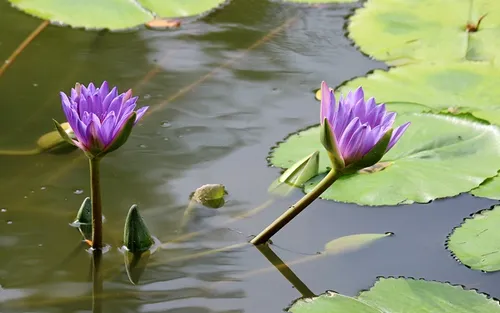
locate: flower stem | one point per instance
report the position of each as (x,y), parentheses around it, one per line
(295,209)
(97,282)
(95,198)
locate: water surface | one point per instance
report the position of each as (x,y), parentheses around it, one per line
(217,107)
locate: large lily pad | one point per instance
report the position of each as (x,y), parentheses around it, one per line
(438,156)
(402,31)
(397,295)
(475,242)
(490,188)
(456,87)
(112,14)
(321,1)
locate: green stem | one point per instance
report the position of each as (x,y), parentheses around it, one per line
(295,209)
(97,282)
(95,198)
(34,151)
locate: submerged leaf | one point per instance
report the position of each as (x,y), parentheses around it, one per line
(353,242)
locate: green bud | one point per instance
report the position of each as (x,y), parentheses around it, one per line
(210,195)
(328,140)
(84,219)
(136,235)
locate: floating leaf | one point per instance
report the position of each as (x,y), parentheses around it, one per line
(299,173)
(475,241)
(352,242)
(438,156)
(454,87)
(490,188)
(210,195)
(319,2)
(136,236)
(332,302)
(400,32)
(113,14)
(397,295)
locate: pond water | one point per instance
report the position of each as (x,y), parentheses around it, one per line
(222,91)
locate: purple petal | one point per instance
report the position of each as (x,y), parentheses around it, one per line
(83,106)
(91,88)
(326,103)
(388,119)
(355,145)
(346,136)
(103,91)
(120,124)
(373,138)
(359,110)
(342,119)
(108,98)
(396,134)
(378,113)
(66,104)
(96,129)
(140,113)
(116,105)
(107,127)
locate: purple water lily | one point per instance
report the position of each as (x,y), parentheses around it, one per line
(357,125)
(101,119)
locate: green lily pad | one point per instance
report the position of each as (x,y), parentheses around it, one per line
(469,87)
(332,302)
(321,1)
(475,242)
(396,295)
(112,14)
(490,188)
(435,151)
(400,32)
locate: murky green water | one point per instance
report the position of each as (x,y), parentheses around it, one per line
(217,108)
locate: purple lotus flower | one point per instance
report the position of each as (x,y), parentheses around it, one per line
(101,119)
(358,127)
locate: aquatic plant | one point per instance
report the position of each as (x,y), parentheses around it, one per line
(102,121)
(356,134)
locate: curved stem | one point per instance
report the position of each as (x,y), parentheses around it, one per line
(22,46)
(95,198)
(295,209)
(34,151)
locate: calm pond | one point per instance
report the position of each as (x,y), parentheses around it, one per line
(222,91)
